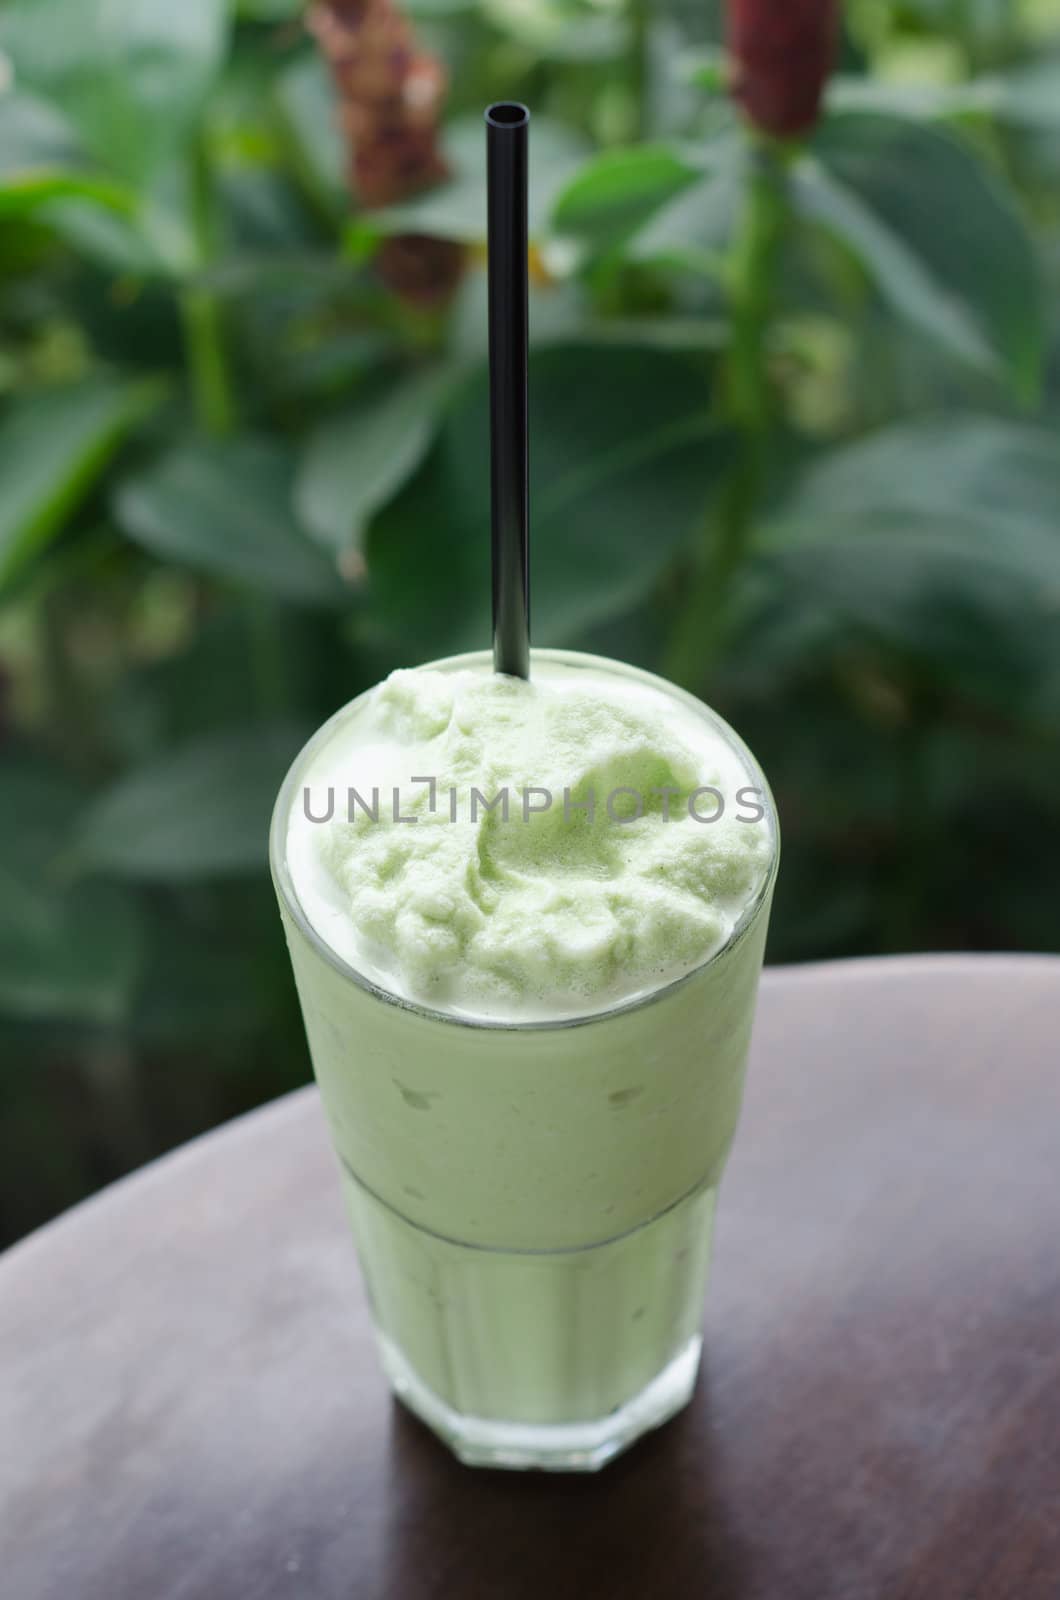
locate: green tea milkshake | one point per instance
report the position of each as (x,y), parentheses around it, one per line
(526,921)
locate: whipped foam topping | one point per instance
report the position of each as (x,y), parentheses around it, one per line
(525,851)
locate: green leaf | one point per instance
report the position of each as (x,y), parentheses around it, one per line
(269,10)
(456,209)
(307,103)
(624,459)
(558,315)
(899,274)
(20,195)
(131,75)
(944,597)
(429,10)
(353,464)
(941,537)
(1001,475)
(41,159)
(918,101)
(1027,97)
(200,813)
(66,951)
(618,190)
(224,507)
(682,335)
(552,30)
(948,252)
(54,446)
(34,137)
(45,171)
(707,69)
(691,232)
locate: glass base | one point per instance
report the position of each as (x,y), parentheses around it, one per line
(552,1447)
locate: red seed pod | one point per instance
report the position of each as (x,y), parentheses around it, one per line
(421,270)
(391,94)
(783,52)
(390,97)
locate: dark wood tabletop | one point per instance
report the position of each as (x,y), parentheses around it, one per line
(190,1407)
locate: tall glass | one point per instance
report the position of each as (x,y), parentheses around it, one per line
(533,1202)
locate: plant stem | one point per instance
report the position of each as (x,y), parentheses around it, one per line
(748,409)
(640,63)
(749,398)
(204,343)
(207,364)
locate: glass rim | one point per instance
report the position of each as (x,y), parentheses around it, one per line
(288,895)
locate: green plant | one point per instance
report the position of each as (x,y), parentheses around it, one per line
(793,389)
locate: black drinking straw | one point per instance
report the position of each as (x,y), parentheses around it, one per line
(506,162)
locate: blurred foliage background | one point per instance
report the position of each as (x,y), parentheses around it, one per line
(795,444)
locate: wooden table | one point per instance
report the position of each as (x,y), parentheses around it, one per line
(190,1408)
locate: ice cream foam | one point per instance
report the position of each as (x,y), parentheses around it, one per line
(526,851)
